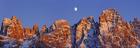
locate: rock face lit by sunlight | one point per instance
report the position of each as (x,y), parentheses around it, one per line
(112,31)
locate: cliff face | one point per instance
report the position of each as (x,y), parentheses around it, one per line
(115,32)
(60,36)
(12,28)
(112,31)
(136,27)
(86,33)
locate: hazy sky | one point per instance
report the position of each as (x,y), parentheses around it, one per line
(47,11)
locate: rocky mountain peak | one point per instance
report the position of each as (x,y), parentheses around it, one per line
(60,35)
(136,26)
(36,29)
(14,18)
(12,28)
(60,24)
(44,29)
(85,23)
(109,14)
(112,27)
(29,33)
(136,21)
(6,21)
(82,30)
(109,19)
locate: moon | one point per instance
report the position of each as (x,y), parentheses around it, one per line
(75,9)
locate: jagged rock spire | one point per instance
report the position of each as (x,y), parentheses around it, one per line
(14,18)
(29,33)
(136,26)
(16,29)
(44,29)
(36,29)
(85,25)
(12,28)
(60,35)
(5,23)
(82,32)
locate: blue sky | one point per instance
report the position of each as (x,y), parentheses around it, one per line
(47,11)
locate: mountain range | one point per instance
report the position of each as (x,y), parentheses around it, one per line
(112,31)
